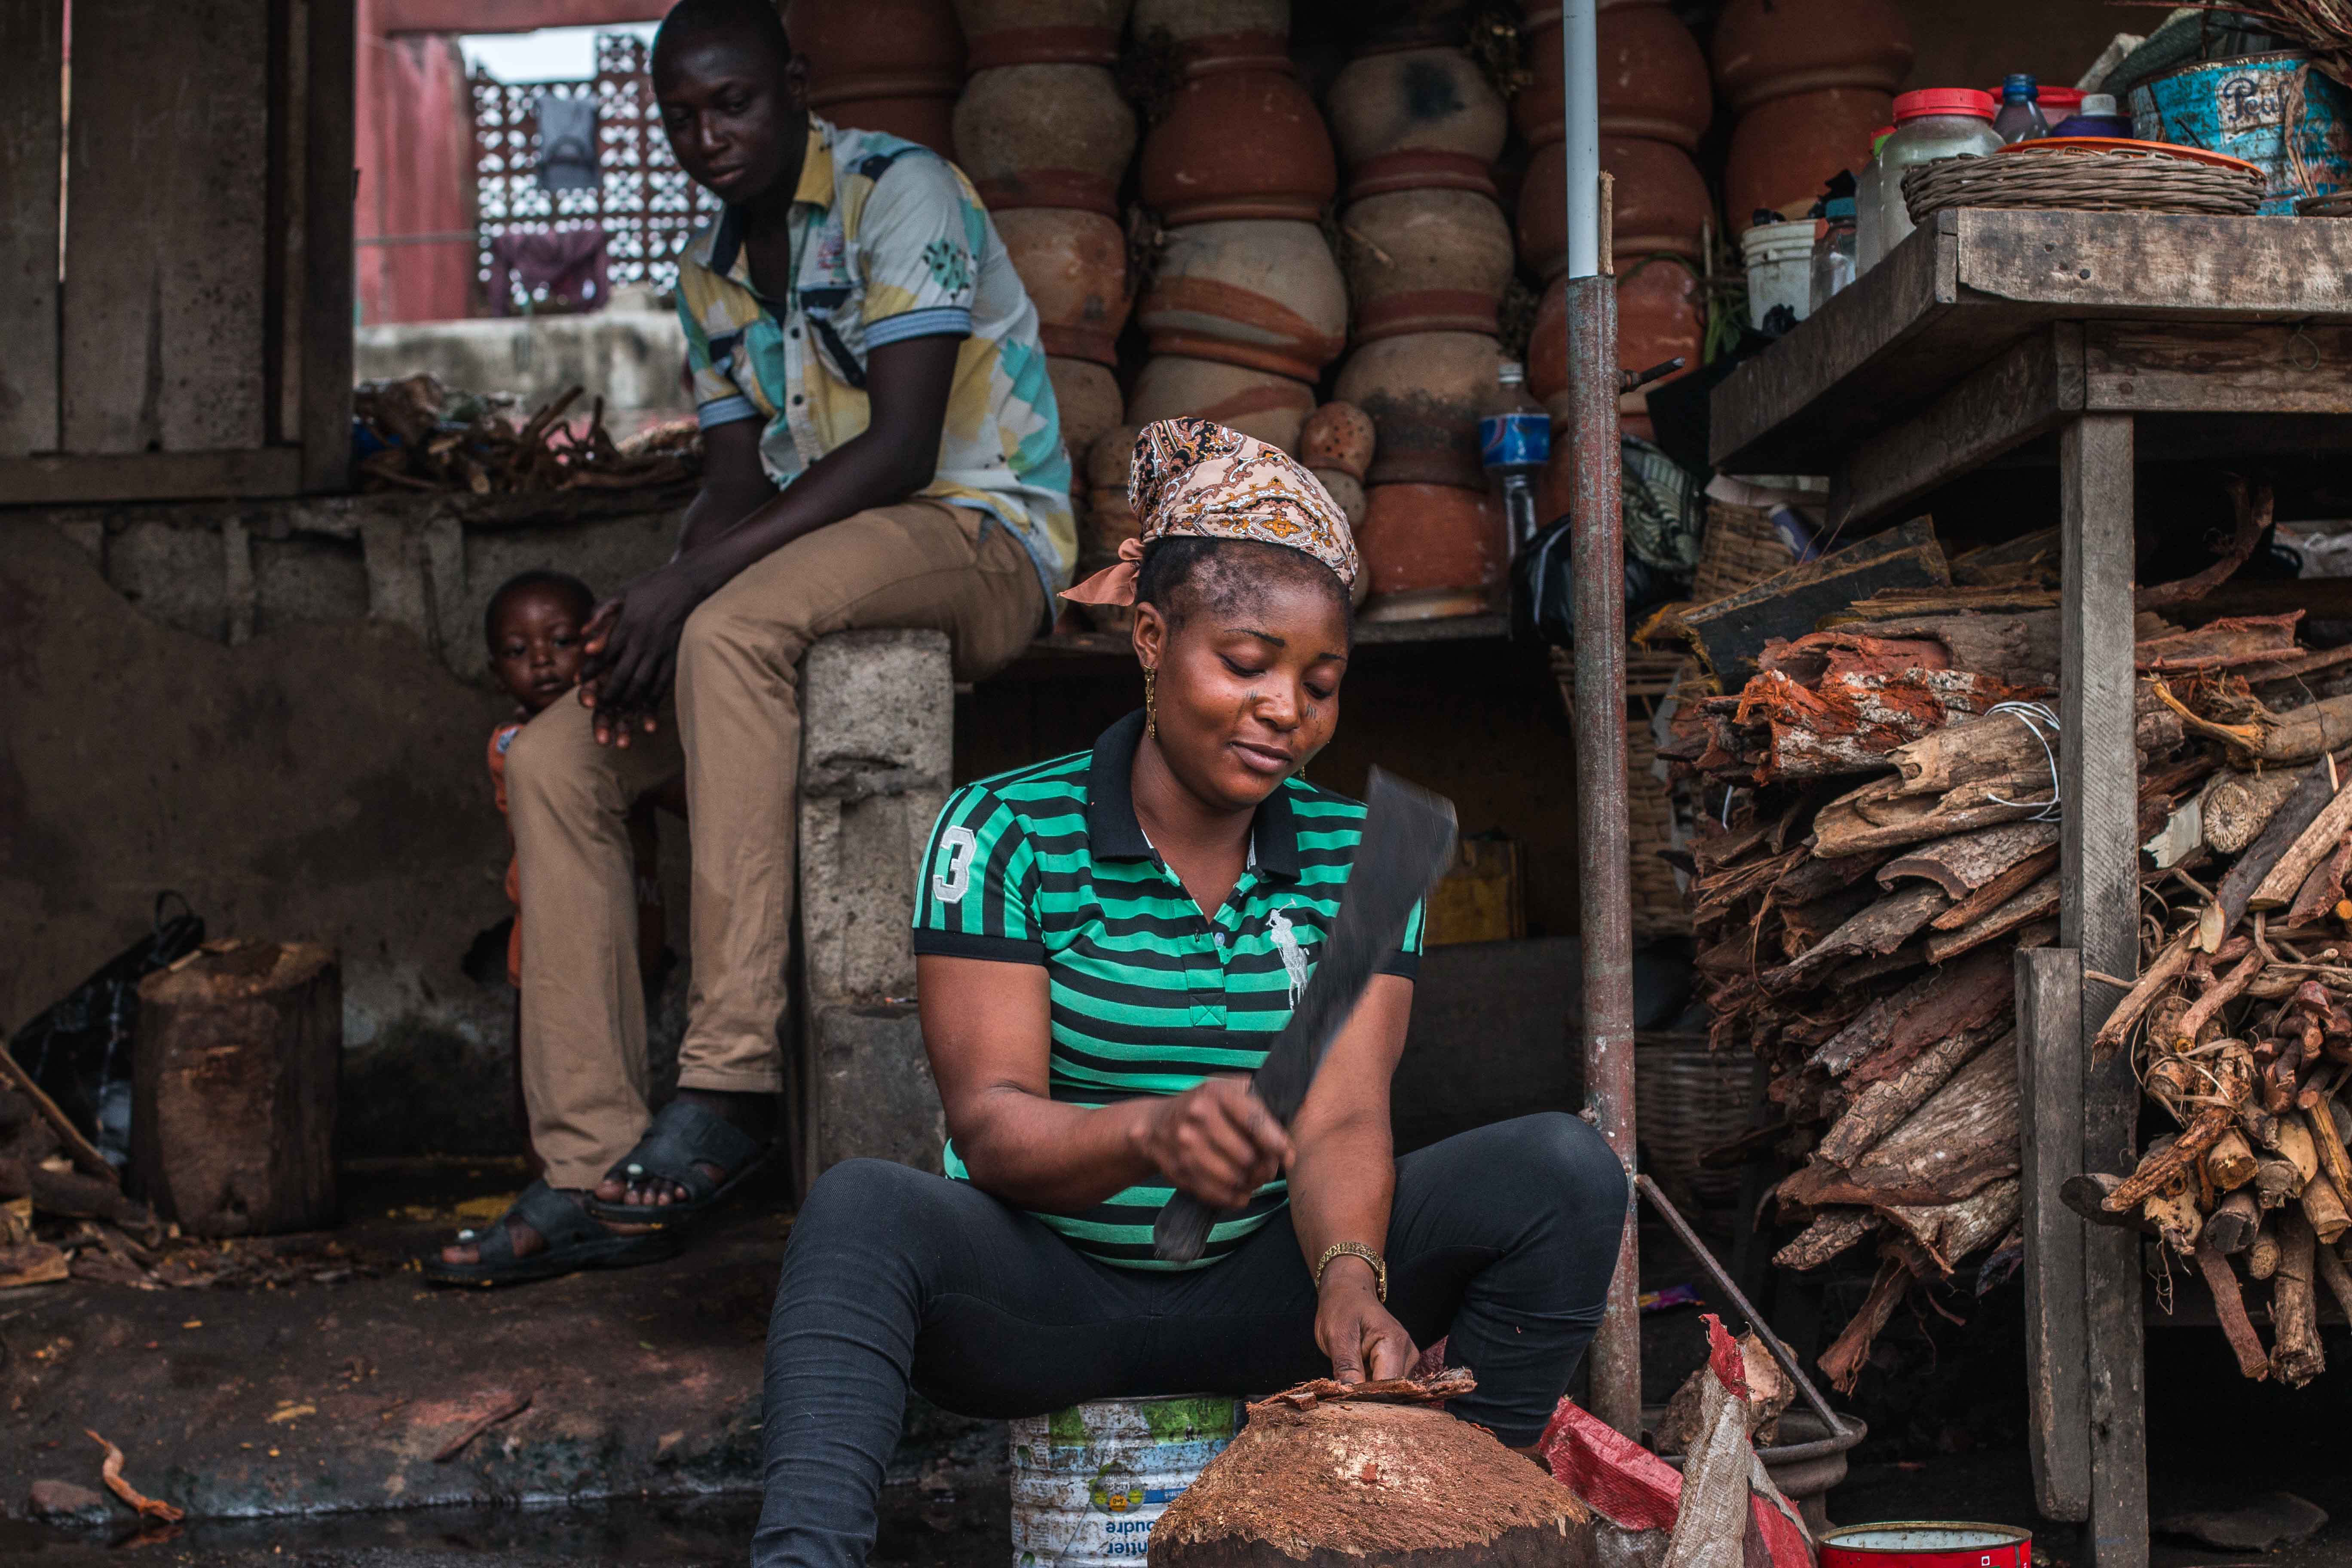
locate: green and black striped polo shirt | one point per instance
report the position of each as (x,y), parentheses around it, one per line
(1047,865)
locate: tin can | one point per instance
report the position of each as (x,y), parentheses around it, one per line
(1089,1482)
(2277,111)
(1927,1543)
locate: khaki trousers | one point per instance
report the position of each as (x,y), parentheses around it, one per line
(734,730)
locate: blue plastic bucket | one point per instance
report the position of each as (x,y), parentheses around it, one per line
(2278,112)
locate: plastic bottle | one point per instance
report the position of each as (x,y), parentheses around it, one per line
(1868,242)
(2097,117)
(1938,122)
(2019,116)
(1514,443)
(1832,251)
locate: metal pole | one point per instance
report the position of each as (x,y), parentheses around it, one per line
(1597,561)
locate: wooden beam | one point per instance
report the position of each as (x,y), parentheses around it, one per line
(2025,393)
(328,56)
(65,479)
(2197,368)
(32,45)
(2156,264)
(2050,1086)
(2099,917)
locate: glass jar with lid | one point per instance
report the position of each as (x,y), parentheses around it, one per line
(1935,122)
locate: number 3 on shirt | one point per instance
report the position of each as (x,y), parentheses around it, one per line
(954,874)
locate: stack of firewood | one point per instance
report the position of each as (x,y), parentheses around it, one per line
(1882,810)
(427,439)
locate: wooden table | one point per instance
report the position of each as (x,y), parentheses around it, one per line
(1983,335)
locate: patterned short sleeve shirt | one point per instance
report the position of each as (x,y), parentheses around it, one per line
(889,242)
(1049,866)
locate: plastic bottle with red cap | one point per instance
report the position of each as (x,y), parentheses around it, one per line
(1932,123)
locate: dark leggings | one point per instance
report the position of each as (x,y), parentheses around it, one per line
(1502,1240)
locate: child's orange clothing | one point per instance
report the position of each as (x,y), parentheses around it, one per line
(643,842)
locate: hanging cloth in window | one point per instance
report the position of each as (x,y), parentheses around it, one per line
(567,143)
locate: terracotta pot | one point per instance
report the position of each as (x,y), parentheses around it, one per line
(1431,551)
(1548,347)
(1239,144)
(1338,435)
(1109,458)
(1045,136)
(1087,393)
(1423,393)
(1782,152)
(1654,79)
(1661,201)
(1264,294)
(894,66)
(1416,119)
(1074,264)
(1346,493)
(1660,313)
(1213,36)
(1766,49)
(1034,32)
(1426,261)
(1255,402)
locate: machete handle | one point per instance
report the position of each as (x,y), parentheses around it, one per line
(1181,1231)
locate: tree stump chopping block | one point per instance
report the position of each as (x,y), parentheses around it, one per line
(233,1113)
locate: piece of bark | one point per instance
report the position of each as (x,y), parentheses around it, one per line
(1881,928)
(1848,723)
(2171,1164)
(1999,889)
(1961,1139)
(2316,843)
(2207,1008)
(2229,642)
(1814,878)
(2296,1356)
(2229,1306)
(79,1149)
(2323,1209)
(2236,807)
(2230,1163)
(1946,1232)
(2298,735)
(2230,1228)
(1850,1352)
(1882,1106)
(1729,634)
(2019,646)
(1826,1237)
(2334,1162)
(2324,889)
(2292,1141)
(1807,924)
(1961,865)
(2036,902)
(2310,797)
(1878,817)
(2004,746)
(2177,1219)
(2167,966)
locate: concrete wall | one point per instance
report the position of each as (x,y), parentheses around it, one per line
(630,358)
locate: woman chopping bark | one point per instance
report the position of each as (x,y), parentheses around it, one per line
(1107,943)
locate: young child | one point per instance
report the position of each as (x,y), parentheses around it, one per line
(534,624)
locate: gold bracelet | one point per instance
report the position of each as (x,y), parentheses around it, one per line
(1356,1249)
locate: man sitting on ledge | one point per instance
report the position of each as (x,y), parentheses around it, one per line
(881,448)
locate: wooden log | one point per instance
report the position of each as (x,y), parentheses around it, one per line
(2334,1162)
(2177,1219)
(1879,816)
(2166,1167)
(1973,995)
(1947,1233)
(239,1056)
(2229,1306)
(2230,1163)
(2036,902)
(2024,874)
(1881,928)
(1848,722)
(2276,1181)
(2310,797)
(2317,842)
(1850,1352)
(2167,967)
(2262,1253)
(2293,1142)
(1962,865)
(2236,807)
(2323,1210)
(2230,1228)
(1826,1237)
(2086,1194)
(2005,746)
(2019,646)
(2296,1356)
(2298,735)
(2324,889)
(1961,1139)
(1880,1107)
(2207,1008)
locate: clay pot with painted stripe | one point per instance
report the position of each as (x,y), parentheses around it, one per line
(1033,32)
(1431,551)
(1087,394)
(1255,402)
(1661,201)
(1660,313)
(1265,295)
(883,65)
(1785,150)
(1654,79)
(1766,49)
(1423,393)
(1045,136)
(1416,119)
(1074,264)
(1212,36)
(1246,143)
(1426,261)
(1338,435)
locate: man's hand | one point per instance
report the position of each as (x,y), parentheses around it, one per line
(632,651)
(1216,1141)
(1355,1330)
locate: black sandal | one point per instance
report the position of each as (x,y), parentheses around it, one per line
(683,1136)
(571,1241)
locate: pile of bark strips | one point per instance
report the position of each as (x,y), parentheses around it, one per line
(1374,1472)
(428,438)
(1882,837)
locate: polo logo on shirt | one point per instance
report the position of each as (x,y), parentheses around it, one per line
(1294,956)
(950,882)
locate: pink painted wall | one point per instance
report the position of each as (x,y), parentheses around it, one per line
(415,156)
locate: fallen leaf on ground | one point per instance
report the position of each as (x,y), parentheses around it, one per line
(31,1263)
(292,1412)
(111,1471)
(483,1211)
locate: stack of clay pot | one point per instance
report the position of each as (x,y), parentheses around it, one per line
(1046,138)
(1105,518)
(1655,106)
(1246,305)
(883,65)
(1429,255)
(1810,81)
(1337,444)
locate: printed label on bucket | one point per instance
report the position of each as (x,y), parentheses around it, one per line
(1089,1482)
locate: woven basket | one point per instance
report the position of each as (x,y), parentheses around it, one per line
(1741,549)
(1649,672)
(1659,910)
(2082,181)
(1686,1100)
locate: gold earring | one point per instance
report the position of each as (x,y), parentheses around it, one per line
(1150,701)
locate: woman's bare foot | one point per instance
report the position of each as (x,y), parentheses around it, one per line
(752,1113)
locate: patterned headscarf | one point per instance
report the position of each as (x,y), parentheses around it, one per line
(1189,477)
